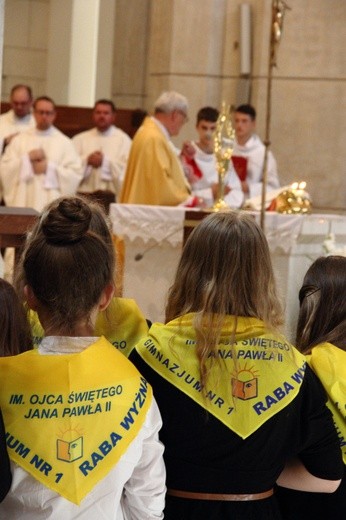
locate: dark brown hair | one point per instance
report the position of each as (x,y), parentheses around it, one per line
(66,263)
(247,109)
(107,102)
(322,315)
(15,335)
(207,114)
(44,98)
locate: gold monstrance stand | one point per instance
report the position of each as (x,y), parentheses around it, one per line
(223,148)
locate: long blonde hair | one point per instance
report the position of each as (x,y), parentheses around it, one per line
(225,269)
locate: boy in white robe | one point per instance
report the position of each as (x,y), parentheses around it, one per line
(250,146)
(200,164)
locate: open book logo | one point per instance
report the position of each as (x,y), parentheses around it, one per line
(69,451)
(245,383)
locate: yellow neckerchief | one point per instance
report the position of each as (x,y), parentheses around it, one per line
(264,378)
(329,364)
(122,323)
(70,417)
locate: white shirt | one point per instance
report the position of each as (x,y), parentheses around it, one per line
(254,151)
(133,490)
(115,146)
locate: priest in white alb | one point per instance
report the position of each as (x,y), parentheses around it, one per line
(104,150)
(40,164)
(19,118)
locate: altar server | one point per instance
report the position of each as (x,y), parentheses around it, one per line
(249,146)
(200,164)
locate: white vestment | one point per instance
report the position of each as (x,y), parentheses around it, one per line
(254,151)
(21,187)
(115,146)
(206,162)
(11,124)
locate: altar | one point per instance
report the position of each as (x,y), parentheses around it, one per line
(154,235)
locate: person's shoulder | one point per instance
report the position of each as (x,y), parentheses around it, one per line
(326,354)
(58,134)
(125,305)
(201,154)
(118,132)
(22,137)
(6,116)
(149,133)
(255,141)
(312,385)
(84,135)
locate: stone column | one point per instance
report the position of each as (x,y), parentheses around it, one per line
(176,61)
(80,51)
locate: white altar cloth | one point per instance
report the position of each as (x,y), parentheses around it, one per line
(153,237)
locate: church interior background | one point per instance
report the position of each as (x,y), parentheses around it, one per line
(194,47)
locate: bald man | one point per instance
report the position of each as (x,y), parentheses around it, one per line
(19,118)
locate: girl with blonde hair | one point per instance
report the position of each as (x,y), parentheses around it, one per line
(239,405)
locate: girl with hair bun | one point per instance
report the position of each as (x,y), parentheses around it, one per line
(122,323)
(239,406)
(82,424)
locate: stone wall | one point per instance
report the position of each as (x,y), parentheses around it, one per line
(25,45)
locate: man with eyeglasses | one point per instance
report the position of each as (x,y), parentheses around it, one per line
(41,163)
(154,173)
(19,118)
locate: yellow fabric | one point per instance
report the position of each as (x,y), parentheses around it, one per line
(69,418)
(122,323)
(329,364)
(154,174)
(247,383)
(119,246)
